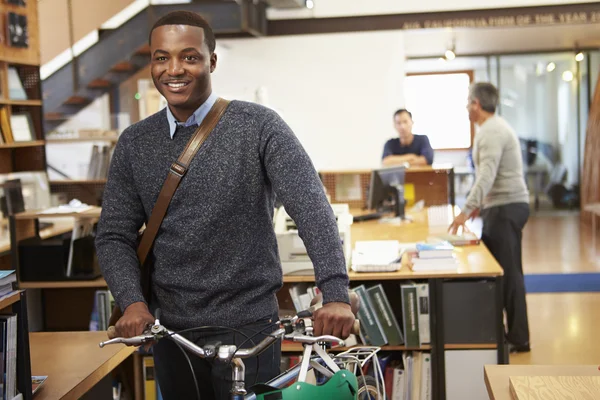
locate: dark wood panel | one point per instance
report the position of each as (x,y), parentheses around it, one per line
(30,159)
(68,309)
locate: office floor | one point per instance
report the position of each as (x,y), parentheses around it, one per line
(563,326)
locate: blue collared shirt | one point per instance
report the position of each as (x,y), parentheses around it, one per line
(195,119)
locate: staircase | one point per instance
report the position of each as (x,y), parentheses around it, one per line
(121,52)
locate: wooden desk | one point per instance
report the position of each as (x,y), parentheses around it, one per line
(497,376)
(476,267)
(474,261)
(73,362)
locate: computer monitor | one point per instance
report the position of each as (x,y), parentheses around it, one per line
(386,191)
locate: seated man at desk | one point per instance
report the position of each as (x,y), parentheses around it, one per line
(408,147)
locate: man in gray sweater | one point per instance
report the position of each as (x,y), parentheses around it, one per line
(500,193)
(216,259)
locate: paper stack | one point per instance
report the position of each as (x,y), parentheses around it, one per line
(433,257)
(376,256)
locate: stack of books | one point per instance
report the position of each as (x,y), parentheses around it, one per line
(433,257)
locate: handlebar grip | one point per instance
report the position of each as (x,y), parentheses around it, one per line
(356,327)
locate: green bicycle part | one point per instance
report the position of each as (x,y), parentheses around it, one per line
(342,385)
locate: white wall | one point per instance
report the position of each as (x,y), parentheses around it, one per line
(338,8)
(338,92)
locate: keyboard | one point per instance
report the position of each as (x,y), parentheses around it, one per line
(367,217)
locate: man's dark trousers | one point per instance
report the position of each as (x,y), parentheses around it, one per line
(214,379)
(502,234)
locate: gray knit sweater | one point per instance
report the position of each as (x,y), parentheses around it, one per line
(216,252)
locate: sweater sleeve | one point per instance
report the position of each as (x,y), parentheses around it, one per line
(121,218)
(490,147)
(297,184)
(427,150)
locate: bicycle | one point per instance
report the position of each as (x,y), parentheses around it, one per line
(338,375)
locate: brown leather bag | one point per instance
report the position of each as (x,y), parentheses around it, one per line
(176,173)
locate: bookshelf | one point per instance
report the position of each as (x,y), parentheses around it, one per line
(22,146)
(16,303)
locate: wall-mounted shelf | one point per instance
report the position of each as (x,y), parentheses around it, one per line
(79,182)
(74,284)
(10,299)
(10,102)
(34,143)
(297,347)
(81,140)
(471,346)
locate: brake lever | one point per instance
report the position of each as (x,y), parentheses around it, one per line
(315,339)
(132,341)
(151,334)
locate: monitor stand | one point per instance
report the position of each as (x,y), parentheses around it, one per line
(399,207)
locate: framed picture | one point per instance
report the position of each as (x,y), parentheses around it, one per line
(22,127)
(17,30)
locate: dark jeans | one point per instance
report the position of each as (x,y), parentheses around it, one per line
(214,378)
(502,234)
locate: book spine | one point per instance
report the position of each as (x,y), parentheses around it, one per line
(385,314)
(370,325)
(410,316)
(423,308)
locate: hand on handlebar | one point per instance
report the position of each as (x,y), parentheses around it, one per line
(134,322)
(334,319)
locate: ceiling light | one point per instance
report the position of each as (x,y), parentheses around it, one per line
(579,57)
(550,67)
(567,76)
(310,4)
(450,55)
(539,69)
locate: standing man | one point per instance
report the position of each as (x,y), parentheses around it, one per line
(501,194)
(408,147)
(215,255)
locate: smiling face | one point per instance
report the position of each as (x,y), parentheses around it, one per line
(181,67)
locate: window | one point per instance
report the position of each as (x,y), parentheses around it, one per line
(438,103)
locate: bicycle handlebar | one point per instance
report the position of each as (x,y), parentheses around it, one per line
(223,352)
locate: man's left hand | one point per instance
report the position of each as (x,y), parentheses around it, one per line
(334,319)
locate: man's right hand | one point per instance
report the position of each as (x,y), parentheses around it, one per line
(134,321)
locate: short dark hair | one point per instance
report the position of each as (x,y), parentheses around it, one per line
(403,110)
(487,94)
(187,18)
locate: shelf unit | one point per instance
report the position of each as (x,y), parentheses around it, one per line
(16,303)
(21,156)
(73,294)
(438,294)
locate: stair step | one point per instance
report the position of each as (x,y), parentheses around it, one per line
(144,51)
(124,66)
(56,117)
(99,84)
(77,100)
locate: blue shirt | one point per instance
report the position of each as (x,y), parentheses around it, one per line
(195,119)
(419,146)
